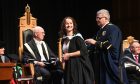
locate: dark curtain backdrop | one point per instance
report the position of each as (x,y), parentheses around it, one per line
(126,14)
(49,14)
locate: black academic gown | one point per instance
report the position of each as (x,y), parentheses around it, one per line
(56,73)
(78,70)
(37,57)
(132,72)
(128,53)
(107,55)
(7,60)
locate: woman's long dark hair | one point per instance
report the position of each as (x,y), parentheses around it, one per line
(63,31)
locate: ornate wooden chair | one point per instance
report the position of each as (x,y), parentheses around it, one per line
(26,24)
(127,42)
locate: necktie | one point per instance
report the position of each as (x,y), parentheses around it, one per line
(44,51)
(136,58)
(0,60)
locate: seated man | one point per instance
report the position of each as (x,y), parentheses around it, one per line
(3,58)
(39,51)
(132,70)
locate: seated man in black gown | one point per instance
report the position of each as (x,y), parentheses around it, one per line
(3,58)
(133,71)
(43,58)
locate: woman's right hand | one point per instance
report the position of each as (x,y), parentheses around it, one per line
(66,56)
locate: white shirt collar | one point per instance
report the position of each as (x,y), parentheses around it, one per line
(70,37)
(104,25)
(38,42)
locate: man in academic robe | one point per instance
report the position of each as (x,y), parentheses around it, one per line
(39,51)
(3,58)
(107,50)
(133,71)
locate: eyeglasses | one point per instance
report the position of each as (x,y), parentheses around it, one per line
(100,17)
(41,32)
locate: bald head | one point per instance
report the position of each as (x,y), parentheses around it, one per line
(135,47)
(134,44)
(37,29)
(38,33)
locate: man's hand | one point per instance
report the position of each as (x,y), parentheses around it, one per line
(41,64)
(90,41)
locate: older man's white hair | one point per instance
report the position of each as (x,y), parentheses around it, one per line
(37,29)
(105,13)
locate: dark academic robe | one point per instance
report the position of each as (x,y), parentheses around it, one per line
(128,53)
(28,55)
(7,60)
(54,72)
(107,55)
(78,70)
(132,72)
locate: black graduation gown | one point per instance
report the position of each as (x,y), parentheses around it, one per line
(132,71)
(78,70)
